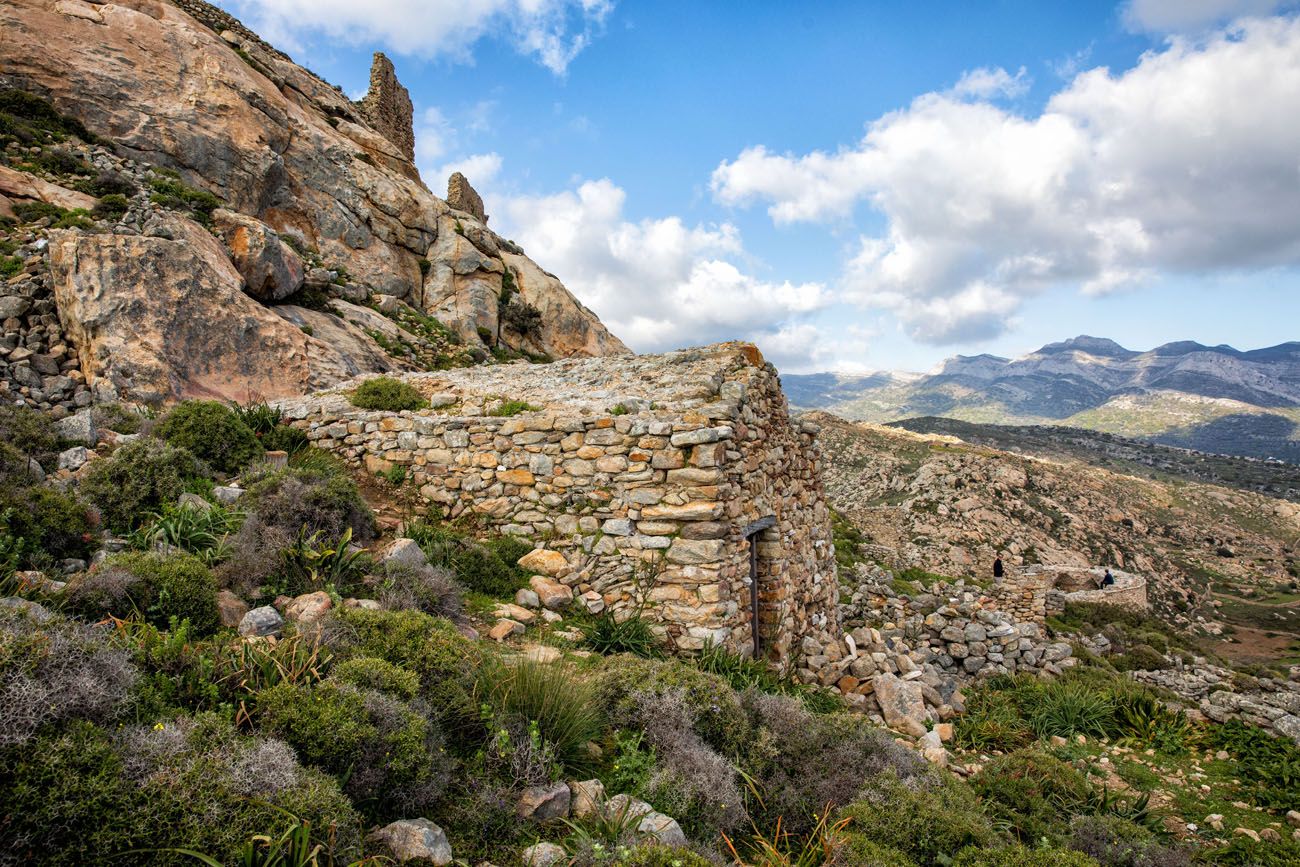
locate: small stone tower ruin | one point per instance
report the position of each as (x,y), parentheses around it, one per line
(463,197)
(387,106)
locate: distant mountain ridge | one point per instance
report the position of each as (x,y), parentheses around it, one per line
(1211,398)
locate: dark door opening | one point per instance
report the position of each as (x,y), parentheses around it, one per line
(751,534)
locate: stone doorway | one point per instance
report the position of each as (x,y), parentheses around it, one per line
(753,533)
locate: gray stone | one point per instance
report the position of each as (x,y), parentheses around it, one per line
(403,552)
(77,428)
(543,803)
(227,494)
(260,622)
(74,458)
(901,703)
(414,840)
(544,855)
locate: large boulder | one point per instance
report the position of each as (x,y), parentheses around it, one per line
(902,703)
(164,317)
(414,840)
(272,271)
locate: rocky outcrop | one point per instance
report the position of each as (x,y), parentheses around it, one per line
(463,197)
(272,271)
(163,316)
(272,141)
(387,106)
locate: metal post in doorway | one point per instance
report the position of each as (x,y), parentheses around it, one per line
(751,534)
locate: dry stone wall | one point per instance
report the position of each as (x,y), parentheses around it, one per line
(645,473)
(1034,593)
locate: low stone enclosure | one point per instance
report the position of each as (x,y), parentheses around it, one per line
(1036,592)
(677,484)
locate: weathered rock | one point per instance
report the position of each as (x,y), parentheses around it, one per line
(20,185)
(276,142)
(663,828)
(403,552)
(544,855)
(74,458)
(586,798)
(163,318)
(552,594)
(463,197)
(544,562)
(901,704)
(78,428)
(309,607)
(261,622)
(543,803)
(231,609)
(227,494)
(272,271)
(414,840)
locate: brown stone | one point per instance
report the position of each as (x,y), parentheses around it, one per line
(545,562)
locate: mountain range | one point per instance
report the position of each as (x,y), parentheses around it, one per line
(1214,399)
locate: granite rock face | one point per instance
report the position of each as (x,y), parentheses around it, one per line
(164,317)
(232,116)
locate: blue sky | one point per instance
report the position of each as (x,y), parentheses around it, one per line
(863,185)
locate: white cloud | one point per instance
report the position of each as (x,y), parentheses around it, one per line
(660,284)
(986,83)
(553,32)
(1183,16)
(1187,162)
(481,169)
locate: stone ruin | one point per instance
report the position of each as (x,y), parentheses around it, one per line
(463,197)
(1037,592)
(387,106)
(674,484)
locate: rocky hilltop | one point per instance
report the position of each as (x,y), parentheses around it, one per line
(229,223)
(1211,398)
(936,505)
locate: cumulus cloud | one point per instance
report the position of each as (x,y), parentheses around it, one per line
(553,32)
(1182,16)
(986,83)
(481,169)
(1186,162)
(661,284)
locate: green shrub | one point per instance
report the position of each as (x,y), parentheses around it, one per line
(111,207)
(1033,794)
(369,672)
(484,567)
(203,532)
(927,819)
(563,706)
(606,634)
(267,424)
(1140,657)
(116,417)
(513,407)
(1244,852)
(138,479)
(311,500)
(32,120)
(1269,767)
(719,718)
(84,798)
(1116,842)
(804,763)
(387,394)
(659,856)
(30,431)
(387,755)
(51,521)
(172,586)
(1019,856)
(432,648)
(170,192)
(212,432)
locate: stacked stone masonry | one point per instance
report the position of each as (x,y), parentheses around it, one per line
(1034,593)
(463,197)
(387,106)
(647,473)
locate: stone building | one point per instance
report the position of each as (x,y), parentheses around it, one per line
(677,484)
(1034,593)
